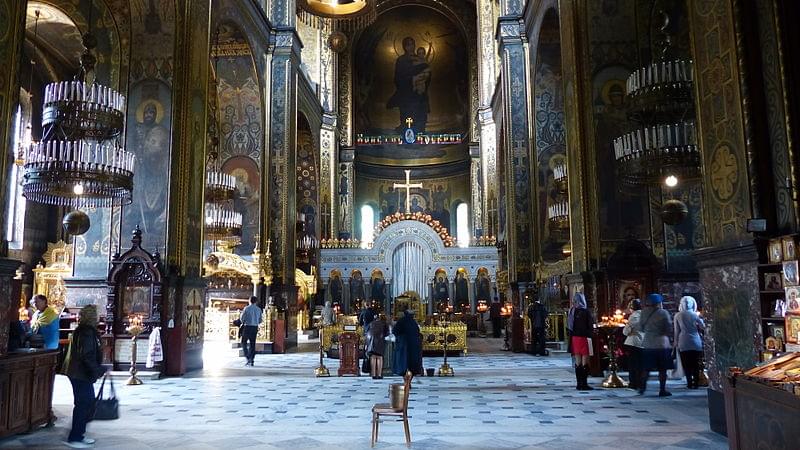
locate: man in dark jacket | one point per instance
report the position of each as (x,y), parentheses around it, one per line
(495,317)
(537,313)
(366,316)
(83,367)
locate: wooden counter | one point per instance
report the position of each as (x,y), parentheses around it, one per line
(760,416)
(26,390)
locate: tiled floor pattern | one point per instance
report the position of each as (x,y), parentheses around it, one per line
(496,401)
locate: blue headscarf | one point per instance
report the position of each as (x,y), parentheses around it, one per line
(654,300)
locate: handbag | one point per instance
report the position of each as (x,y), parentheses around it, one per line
(106,408)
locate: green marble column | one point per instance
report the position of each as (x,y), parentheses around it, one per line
(186,289)
(516,125)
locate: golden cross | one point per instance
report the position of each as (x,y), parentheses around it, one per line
(409,121)
(407,186)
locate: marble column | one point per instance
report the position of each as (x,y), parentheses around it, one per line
(281,214)
(12,14)
(476,184)
(516,120)
(346,194)
(583,215)
(489,172)
(186,288)
(328,176)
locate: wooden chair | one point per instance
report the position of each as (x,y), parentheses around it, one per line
(385,409)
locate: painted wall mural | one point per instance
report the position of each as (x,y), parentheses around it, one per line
(438,197)
(613,50)
(246,200)
(307,176)
(550,134)
(150,120)
(411,63)
(241,121)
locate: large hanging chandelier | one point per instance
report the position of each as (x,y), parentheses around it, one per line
(558,216)
(80,161)
(222,223)
(341,15)
(663,142)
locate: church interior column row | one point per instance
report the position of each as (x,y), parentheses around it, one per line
(516,123)
(282,158)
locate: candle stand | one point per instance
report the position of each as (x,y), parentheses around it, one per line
(321,370)
(134,329)
(612,380)
(445,370)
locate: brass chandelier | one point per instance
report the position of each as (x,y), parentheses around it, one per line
(80,161)
(222,223)
(340,15)
(663,142)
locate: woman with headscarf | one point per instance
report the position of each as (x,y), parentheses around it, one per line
(83,366)
(657,351)
(376,345)
(633,343)
(688,341)
(580,325)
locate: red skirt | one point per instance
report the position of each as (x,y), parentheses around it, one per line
(580,346)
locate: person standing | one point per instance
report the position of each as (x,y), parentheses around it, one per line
(656,326)
(83,366)
(495,317)
(689,343)
(376,334)
(537,313)
(251,319)
(45,322)
(328,316)
(580,325)
(366,316)
(633,343)
(408,348)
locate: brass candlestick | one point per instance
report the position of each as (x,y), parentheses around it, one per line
(321,370)
(612,380)
(445,370)
(135,329)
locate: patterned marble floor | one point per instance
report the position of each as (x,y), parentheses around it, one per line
(496,401)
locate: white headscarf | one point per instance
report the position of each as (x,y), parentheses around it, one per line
(578,302)
(688,304)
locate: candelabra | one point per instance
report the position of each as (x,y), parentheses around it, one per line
(506,312)
(222,223)
(482,308)
(135,328)
(609,326)
(220,186)
(445,370)
(558,215)
(560,177)
(321,370)
(663,142)
(80,160)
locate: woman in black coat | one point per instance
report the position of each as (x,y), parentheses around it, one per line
(83,367)
(408,348)
(376,344)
